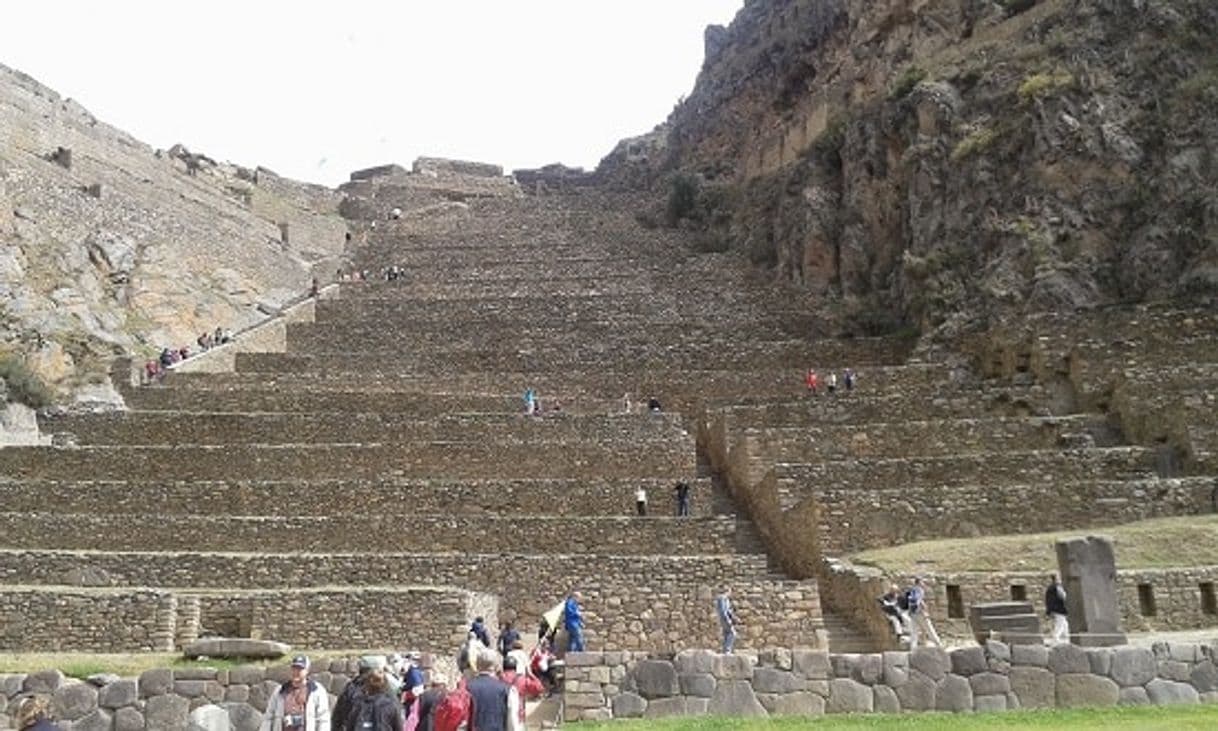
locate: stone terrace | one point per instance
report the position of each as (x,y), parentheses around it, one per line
(388,442)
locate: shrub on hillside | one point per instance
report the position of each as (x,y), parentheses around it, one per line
(682,198)
(23,386)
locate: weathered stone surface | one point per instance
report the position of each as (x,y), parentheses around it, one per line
(989,703)
(918,693)
(209,718)
(1174,670)
(843,664)
(11,685)
(584,659)
(680,706)
(695,662)
(42,683)
(95,720)
(1171,693)
(732,667)
(1068,659)
(699,685)
(954,694)
(886,700)
(868,669)
(990,684)
(628,705)
(237,694)
(1034,686)
(130,719)
(100,680)
(895,668)
(1100,659)
(811,664)
(1132,666)
(1208,698)
(248,675)
(656,679)
(769,680)
(73,700)
(1204,677)
(793,704)
(229,647)
(933,662)
(1032,655)
(849,696)
(968,661)
(1133,697)
(1077,690)
(156,682)
(118,694)
(735,698)
(243,716)
(997,652)
(168,712)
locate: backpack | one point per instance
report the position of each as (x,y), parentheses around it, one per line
(453,713)
(363,713)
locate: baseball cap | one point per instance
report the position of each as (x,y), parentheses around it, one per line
(301,661)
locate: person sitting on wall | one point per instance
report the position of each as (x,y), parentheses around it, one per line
(890,605)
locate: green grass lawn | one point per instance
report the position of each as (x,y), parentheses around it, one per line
(1147,544)
(1175,718)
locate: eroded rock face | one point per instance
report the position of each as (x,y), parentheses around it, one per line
(108,246)
(921,161)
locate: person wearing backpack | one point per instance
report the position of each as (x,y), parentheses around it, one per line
(452,711)
(374,708)
(300,704)
(429,703)
(346,699)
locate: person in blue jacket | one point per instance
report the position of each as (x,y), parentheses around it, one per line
(573,621)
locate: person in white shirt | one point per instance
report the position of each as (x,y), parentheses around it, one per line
(640,501)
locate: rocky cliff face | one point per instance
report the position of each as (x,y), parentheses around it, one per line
(938,163)
(108,246)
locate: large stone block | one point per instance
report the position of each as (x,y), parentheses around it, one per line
(954,694)
(844,664)
(895,668)
(656,679)
(1171,693)
(1204,677)
(167,713)
(811,664)
(695,661)
(73,700)
(97,720)
(584,659)
(1068,660)
(849,696)
(228,647)
(1031,655)
(155,682)
(1100,659)
(968,661)
(1133,697)
(770,680)
(918,694)
(1034,686)
(886,700)
(933,662)
(209,718)
(628,705)
(118,694)
(733,667)
(130,719)
(680,706)
(1083,690)
(793,704)
(196,673)
(243,716)
(989,703)
(1132,666)
(990,684)
(1174,670)
(42,683)
(868,669)
(698,685)
(735,698)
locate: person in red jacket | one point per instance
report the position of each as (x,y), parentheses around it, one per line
(812,381)
(526,685)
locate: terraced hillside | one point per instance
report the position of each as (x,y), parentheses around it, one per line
(378,483)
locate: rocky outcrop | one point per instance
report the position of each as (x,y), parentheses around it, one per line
(108,246)
(941,163)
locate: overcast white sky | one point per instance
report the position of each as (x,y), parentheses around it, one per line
(315,90)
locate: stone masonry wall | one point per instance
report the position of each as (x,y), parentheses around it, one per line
(995,677)
(98,621)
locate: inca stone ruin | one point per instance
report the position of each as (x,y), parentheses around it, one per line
(1035,354)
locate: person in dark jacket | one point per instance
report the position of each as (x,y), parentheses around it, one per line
(34,715)
(342,708)
(1055,609)
(431,700)
(374,709)
(507,636)
(494,705)
(480,631)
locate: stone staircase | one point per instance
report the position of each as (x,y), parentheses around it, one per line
(381,466)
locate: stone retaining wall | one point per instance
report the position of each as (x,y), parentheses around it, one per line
(61,619)
(995,677)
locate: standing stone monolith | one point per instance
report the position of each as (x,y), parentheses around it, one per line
(1088,573)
